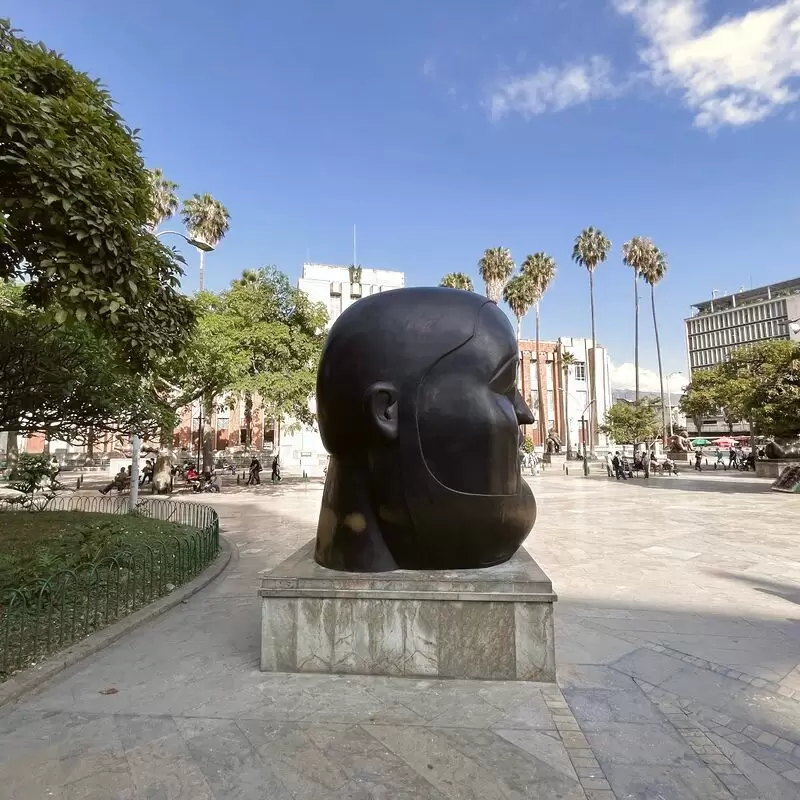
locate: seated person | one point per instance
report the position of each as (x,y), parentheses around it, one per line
(122,480)
(669,467)
(192,474)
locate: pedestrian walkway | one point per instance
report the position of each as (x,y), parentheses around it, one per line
(678,644)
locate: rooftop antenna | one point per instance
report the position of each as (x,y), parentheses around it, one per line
(355,260)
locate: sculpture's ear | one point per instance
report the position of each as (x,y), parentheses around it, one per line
(381,406)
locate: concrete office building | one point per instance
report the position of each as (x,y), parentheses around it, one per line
(338,287)
(722,324)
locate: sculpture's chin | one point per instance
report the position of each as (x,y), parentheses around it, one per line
(458,531)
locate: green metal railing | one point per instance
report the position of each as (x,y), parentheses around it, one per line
(38,620)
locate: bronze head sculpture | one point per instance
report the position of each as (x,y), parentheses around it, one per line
(418,406)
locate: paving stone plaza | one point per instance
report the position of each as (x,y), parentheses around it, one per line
(678,652)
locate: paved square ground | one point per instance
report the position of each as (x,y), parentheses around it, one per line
(678,645)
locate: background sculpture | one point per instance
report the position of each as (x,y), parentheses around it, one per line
(418,405)
(679,441)
(785,450)
(553,442)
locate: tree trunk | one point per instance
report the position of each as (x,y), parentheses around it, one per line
(660,369)
(542,406)
(12,448)
(208,432)
(636,333)
(162,472)
(202,270)
(590,376)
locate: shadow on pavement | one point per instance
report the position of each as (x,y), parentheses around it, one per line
(787,591)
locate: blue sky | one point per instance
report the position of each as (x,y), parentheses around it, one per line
(442,128)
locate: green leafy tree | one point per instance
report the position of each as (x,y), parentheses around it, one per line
(761,383)
(69,382)
(638,254)
(207,220)
(653,272)
(703,396)
(539,271)
(164,198)
(495,268)
(261,336)
(75,203)
(632,423)
(457,280)
(591,248)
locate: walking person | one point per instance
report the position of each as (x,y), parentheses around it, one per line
(254,474)
(720,461)
(646,463)
(619,470)
(610,464)
(732,458)
(698,459)
(276,470)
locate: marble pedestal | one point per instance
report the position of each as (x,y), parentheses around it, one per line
(494,623)
(555,461)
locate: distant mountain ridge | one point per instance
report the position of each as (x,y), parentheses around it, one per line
(630,394)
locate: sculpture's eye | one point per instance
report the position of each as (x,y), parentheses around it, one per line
(505,379)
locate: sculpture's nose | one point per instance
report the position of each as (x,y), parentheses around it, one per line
(524,414)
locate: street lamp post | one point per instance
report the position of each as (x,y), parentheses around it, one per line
(200,245)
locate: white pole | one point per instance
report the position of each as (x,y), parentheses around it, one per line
(136,445)
(355,261)
(669,406)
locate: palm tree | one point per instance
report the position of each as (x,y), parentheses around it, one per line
(637,254)
(519,295)
(457,280)
(591,249)
(207,220)
(540,269)
(567,360)
(653,272)
(165,199)
(495,268)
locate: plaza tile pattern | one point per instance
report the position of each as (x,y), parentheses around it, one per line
(677,648)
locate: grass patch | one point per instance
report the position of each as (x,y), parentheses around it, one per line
(35,546)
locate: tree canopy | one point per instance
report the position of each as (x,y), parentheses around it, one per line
(75,204)
(759,382)
(632,423)
(67,381)
(260,336)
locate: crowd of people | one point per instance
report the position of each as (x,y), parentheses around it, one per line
(738,458)
(618,466)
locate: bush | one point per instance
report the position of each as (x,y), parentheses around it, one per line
(27,474)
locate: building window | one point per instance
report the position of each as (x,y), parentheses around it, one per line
(336,306)
(580,371)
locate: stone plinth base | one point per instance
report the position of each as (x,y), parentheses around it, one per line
(555,461)
(494,623)
(773,467)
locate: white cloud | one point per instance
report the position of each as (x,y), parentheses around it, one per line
(736,72)
(551,89)
(623,376)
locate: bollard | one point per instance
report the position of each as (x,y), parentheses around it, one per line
(80,482)
(237,479)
